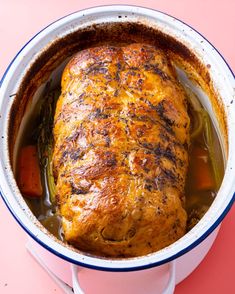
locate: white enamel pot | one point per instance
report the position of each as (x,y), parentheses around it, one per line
(157,272)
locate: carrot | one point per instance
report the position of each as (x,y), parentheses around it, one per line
(202,173)
(29,177)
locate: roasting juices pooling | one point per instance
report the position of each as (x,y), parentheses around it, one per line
(162,168)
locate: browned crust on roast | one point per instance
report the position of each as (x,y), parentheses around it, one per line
(121,132)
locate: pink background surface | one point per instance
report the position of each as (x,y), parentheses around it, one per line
(19,21)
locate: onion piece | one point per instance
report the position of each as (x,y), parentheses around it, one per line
(198,113)
(49,175)
(203,123)
(211,149)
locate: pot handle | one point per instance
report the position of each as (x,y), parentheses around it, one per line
(169,289)
(75,282)
(170,286)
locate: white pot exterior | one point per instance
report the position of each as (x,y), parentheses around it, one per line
(150,281)
(224,83)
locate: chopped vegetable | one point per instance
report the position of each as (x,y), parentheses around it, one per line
(202,175)
(45,138)
(197,114)
(202,122)
(198,124)
(193,99)
(211,148)
(29,177)
(50,182)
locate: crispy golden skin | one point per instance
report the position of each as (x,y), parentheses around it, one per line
(121,135)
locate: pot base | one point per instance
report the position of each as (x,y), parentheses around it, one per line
(151,280)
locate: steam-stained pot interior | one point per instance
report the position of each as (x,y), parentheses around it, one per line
(151,129)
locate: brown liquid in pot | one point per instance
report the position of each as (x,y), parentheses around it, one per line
(197,202)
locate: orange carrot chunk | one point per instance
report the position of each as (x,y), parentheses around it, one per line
(202,173)
(29,176)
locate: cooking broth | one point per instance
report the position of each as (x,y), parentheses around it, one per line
(197,201)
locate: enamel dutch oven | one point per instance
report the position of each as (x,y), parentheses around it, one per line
(199,65)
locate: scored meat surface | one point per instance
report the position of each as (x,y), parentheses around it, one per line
(121,136)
